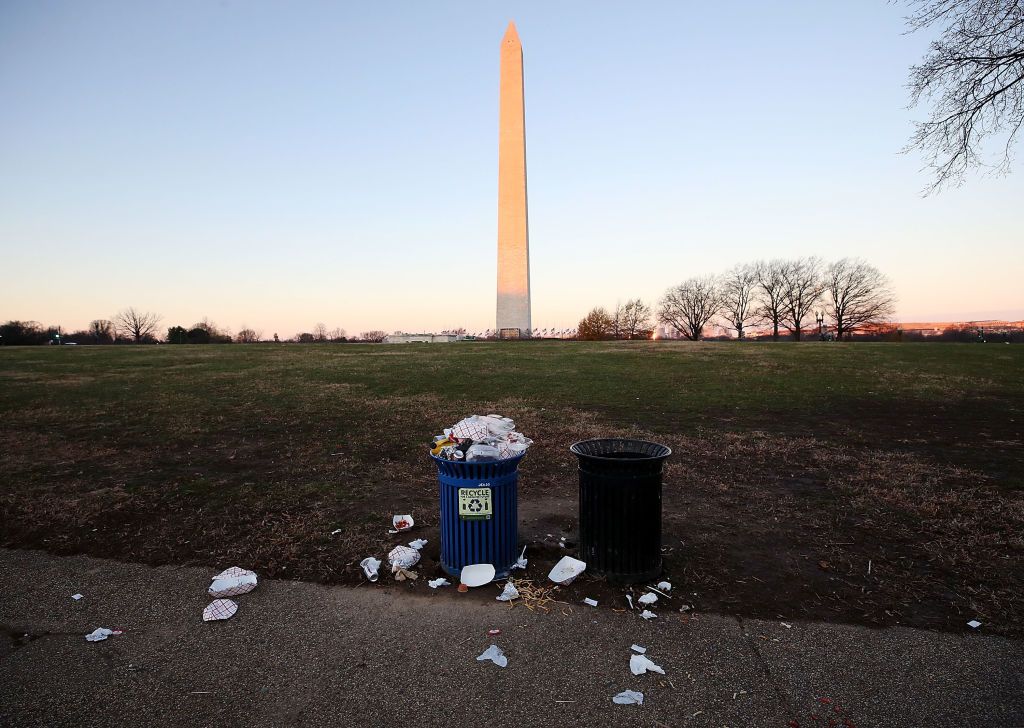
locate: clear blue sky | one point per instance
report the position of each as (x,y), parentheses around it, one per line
(281,164)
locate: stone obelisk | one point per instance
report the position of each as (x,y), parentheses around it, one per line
(513,234)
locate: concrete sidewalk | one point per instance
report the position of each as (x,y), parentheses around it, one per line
(305,654)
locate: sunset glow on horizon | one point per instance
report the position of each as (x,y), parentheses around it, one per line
(277,166)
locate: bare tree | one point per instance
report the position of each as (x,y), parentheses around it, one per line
(973,79)
(739,297)
(632,320)
(320,332)
(857,294)
(596,325)
(803,286)
(689,307)
(102,331)
(337,334)
(136,325)
(375,336)
(249,336)
(771,284)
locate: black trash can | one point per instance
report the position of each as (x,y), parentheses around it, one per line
(620,507)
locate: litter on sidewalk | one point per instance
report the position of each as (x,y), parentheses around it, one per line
(510,592)
(219,609)
(974,624)
(665,585)
(648,598)
(495,655)
(403,557)
(418,544)
(521,561)
(639,664)
(76,597)
(566,570)
(99,634)
(638,649)
(629,697)
(648,614)
(435,583)
(590,602)
(232,582)
(477,574)
(370,567)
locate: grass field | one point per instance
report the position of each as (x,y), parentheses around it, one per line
(795,466)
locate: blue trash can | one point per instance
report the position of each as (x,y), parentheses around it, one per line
(479,514)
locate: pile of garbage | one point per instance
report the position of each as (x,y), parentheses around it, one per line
(481,439)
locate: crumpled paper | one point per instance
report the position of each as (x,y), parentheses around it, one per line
(98,634)
(639,664)
(495,655)
(232,582)
(648,614)
(435,583)
(629,697)
(509,593)
(648,598)
(403,557)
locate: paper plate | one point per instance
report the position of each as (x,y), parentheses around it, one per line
(477,574)
(566,570)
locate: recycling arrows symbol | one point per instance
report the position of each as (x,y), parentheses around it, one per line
(475,505)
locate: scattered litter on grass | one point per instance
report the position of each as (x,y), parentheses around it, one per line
(521,561)
(639,664)
(418,543)
(435,583)
(219,609)
(477,574)
(494,632)
(99,634)
(232,582)
(786,625)
(335,532)
(665,585)
(510,592)
(403,557)
(76,597)
(402,523)
(629,599)
(685,608)
(566,570)
(629,697)
(638,649)
(370,567)
(648,598)
(403,574)
(974,624)
(648,614)
(651,588)
(590,602)
(495,655)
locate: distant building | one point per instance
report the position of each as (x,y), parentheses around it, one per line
(400,337)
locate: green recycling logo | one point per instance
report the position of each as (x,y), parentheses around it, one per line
(475,503)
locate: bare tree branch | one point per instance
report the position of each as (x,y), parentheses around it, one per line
(857,294)
(739,297)
(689,307)
(136,325)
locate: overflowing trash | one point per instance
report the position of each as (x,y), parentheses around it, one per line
(495,655)
(219,609)
(629,697)
(639,664)
(477,574)
(566,570)
(481,439)
(435,583)
(99,634)
(509,593)
(232,582)
(370,567)
(648,598)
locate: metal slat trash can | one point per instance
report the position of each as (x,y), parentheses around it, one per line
(620,507)
(479,513)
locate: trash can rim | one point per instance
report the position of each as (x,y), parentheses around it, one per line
(666,450)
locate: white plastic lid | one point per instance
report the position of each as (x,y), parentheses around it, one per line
(477,574)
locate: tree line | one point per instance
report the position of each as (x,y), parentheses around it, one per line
(779,295)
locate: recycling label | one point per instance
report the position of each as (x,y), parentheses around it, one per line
(475,503)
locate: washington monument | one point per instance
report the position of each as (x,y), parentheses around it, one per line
(513,233)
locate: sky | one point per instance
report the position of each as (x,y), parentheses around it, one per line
(274,165)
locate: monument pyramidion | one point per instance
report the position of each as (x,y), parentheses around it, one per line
(513,320)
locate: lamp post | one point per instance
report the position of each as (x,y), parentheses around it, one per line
(820,318)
